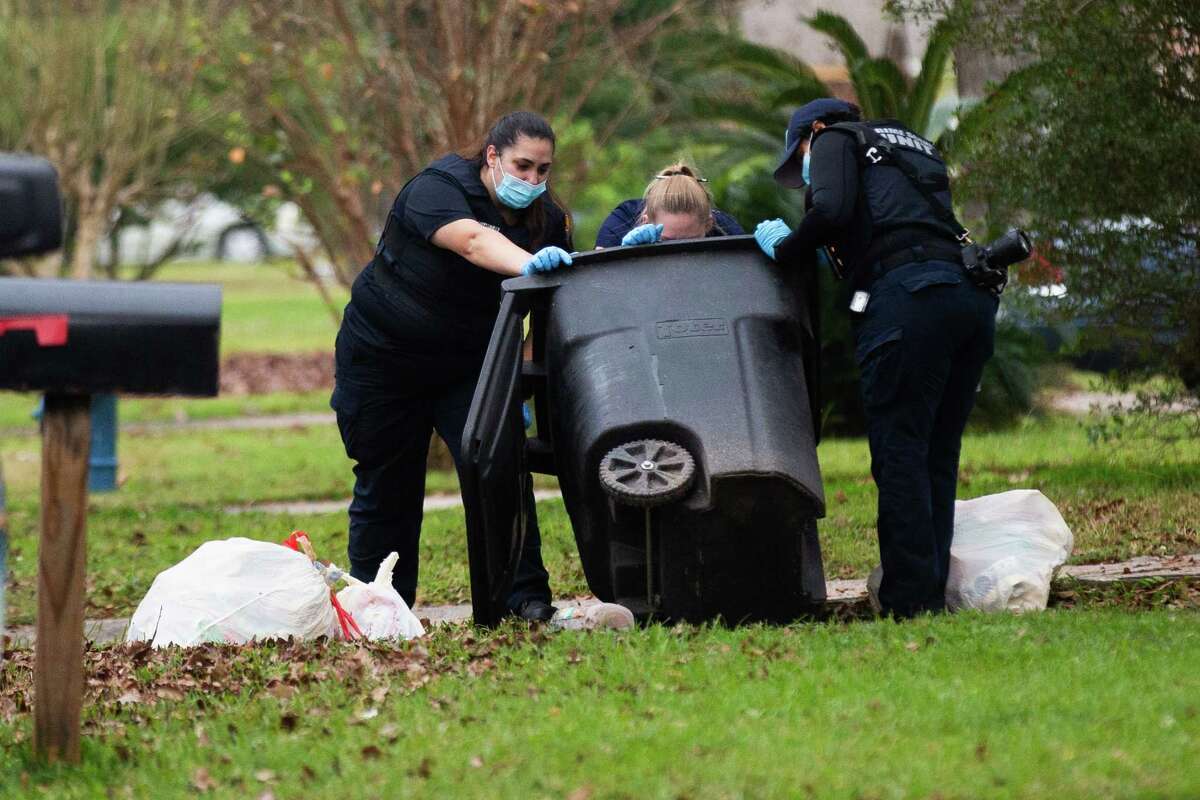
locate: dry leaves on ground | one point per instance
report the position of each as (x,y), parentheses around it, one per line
(134,674)
(263,373)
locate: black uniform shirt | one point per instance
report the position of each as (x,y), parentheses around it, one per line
(415,297)
(829,202)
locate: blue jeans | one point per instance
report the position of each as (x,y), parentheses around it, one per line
(921,347)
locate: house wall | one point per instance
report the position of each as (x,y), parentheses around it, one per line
(780,23)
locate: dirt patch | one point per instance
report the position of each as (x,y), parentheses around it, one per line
(264,373)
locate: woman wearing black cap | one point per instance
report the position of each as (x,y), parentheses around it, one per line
(413,337)
(878,199)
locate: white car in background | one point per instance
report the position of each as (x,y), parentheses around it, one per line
(208,229)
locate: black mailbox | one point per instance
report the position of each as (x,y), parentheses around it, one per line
(87,337)
(675,401)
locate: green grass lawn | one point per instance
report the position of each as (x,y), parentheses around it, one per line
(1136,500)
(265,307)
(16,408)
(1065,704)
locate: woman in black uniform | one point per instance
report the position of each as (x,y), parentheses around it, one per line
(413,337)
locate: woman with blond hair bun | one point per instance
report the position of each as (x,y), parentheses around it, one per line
(676,205)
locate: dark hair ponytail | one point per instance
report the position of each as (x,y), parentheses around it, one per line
(503,134)
(851,113)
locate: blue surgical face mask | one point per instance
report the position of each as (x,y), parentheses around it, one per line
(514,192)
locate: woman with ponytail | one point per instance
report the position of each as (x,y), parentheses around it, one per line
(676,205)
(413,337)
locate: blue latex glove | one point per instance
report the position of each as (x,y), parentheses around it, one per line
(770,233)
(643,234)
(546,259)
(527,415)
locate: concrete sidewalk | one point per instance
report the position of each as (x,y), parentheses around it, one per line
(432,503)
(843,593)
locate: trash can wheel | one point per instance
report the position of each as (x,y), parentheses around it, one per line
(647,472)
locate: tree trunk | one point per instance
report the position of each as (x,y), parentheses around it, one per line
(975,69)
(87,236)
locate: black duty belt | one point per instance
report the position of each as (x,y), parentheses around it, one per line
(930,251)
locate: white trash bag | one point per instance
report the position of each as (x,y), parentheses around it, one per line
(1006,547)
(236,590)
(378,609)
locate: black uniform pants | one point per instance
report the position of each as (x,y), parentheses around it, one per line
(386,413)
(921,347)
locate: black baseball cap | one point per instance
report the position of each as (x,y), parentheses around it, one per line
(788,173)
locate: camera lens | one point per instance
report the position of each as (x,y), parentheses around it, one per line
(1010,248)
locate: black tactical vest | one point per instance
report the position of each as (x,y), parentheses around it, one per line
(894,213)
(434,275)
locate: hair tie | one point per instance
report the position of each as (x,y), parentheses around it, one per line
(678,174)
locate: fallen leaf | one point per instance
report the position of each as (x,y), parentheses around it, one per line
(368,714)
(425,768)
(131,696)
(840,496)
(202,782)
(582,793)
(371,752)
(281,691)
(391,731)
(912,647)
(476,762)
(379,694)
(264,775)
(201,736)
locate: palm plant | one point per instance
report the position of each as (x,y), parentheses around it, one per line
(883,91)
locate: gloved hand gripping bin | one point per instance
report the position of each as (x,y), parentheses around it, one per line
(674,391)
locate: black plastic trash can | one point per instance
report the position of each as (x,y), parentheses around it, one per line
(674,389)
